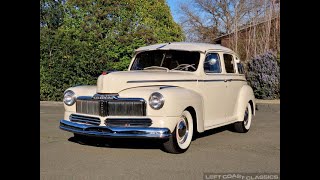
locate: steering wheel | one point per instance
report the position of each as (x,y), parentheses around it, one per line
(185,67)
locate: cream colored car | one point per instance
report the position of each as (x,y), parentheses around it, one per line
(171,91)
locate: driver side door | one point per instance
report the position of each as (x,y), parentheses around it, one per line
(214,89)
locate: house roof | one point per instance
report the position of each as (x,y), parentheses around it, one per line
(184,46)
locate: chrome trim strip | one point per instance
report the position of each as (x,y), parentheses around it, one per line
(128,122)
(183,80)
(115,132)
(84,97)
(221,74)
(238,80)
(162,46)
(130,99)
(211,80)
(163,87)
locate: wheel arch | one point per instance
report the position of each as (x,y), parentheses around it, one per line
(252,107)
(193,113)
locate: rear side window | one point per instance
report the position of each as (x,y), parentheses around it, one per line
(240,68)
(229,63)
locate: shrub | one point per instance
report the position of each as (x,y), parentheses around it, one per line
(263,75)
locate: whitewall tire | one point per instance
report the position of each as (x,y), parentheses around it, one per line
(244,126)
(181,137)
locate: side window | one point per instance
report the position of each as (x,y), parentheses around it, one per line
(240,68)
(229,63)
(212,63)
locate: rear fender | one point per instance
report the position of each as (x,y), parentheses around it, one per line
(245,95)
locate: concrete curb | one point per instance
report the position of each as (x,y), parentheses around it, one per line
(51,103)
(261,101)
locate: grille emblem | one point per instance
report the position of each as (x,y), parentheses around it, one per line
(106,96)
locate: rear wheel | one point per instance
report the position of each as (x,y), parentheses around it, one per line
(181,137)
(244,126)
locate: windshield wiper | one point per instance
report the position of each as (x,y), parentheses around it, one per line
(156,67)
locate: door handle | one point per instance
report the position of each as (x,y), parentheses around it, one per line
(225,80)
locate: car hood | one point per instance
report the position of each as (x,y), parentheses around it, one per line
(116,82)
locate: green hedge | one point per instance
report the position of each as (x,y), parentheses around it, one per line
(80,39)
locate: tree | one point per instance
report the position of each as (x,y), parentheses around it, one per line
(97,36)
(51,13)
(221,16)
(251,26)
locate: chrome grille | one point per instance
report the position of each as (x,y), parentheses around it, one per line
(84,119)
(111,107)
(126,108)
(88,107)
(136,122)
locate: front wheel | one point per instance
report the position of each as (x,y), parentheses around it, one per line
(244,126)
(181,137)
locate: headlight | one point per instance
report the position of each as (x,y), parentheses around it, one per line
(156,100)
(69,98)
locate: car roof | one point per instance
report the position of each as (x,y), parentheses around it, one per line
(185,46)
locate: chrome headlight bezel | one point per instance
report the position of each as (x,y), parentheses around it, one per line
(69,98)
(156,100)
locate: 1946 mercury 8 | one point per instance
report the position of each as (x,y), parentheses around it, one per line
(171,91)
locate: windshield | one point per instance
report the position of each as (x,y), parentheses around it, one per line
(166,60)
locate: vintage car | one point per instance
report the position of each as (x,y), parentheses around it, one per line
(171,92)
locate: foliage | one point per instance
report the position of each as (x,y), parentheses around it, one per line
(263,74)
(95,36)
(51,13)
(278,58)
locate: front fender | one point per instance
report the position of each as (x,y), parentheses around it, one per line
(177,99)
(245,95)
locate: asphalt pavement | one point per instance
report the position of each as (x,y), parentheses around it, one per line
(215,151)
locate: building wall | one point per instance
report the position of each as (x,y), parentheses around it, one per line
(251,44)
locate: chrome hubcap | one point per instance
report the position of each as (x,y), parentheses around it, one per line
(182,130)
(246,117)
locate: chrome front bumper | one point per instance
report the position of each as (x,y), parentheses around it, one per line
(115,132)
